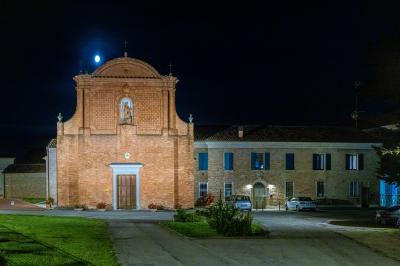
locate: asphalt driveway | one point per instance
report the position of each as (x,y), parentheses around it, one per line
(296,239)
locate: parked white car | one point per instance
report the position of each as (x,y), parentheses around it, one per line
(301,203)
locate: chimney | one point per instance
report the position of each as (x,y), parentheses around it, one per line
(240,129)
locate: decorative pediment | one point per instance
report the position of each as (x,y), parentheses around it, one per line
(126,67)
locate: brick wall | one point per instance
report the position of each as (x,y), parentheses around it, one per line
(93,138)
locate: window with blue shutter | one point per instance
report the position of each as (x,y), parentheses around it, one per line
(203,161)
(266,161)
(228,161)
(353,161)
(257,161)
(289,161)
(322,161)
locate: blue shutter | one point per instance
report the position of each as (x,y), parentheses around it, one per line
(328,161)
(253,160)
(289,161)
(347,161)
(315,160)
(360,161)
(203,161)
(266,161)
(228,161)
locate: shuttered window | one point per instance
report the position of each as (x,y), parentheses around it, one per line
(228,161)
(355,161)
(322,161)
(289,161)
(257,161)
(203,161)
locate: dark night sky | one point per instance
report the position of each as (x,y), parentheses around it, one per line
(238,63)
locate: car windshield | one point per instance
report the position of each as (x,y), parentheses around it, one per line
(242,198)
(305,199)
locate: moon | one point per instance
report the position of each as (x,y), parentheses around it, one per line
(97,58)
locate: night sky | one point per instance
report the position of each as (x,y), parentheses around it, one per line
(238,63)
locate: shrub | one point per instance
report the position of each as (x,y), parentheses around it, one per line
(156,206)
(205,200)
(160,207)
(101,205)
(50,200)
(229,221)
(152,206)
(185,217)
(80,206)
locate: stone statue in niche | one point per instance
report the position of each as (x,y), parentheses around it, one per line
(126,111)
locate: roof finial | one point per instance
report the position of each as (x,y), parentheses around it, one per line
(125,50)
(59,117)
(170,68)
(190,118)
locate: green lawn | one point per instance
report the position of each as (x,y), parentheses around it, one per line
(202,229)
(44,240)
(384,240)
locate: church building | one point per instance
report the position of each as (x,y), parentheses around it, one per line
(125,145)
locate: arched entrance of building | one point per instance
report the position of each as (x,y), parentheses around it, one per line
(259,195)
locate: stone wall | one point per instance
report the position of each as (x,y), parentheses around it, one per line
(337,180)
(25,185)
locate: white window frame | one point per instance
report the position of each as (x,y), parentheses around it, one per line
(223,163)
(201,183)
(231,188)
(357,190)
(316,188)
(292,187)
(353,163)
(323,161)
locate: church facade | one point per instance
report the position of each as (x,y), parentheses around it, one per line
(125,145)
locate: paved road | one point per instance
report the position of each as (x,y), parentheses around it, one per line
(296,239)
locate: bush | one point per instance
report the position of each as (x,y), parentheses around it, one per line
(101,205)
(156,206)
(81,206)
(205,200)
(185,217)
(229,221)
(152,206)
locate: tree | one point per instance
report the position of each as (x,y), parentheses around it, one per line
(389,165)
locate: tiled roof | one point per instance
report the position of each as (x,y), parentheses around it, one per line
(283,134)
(26,168)
(52,143)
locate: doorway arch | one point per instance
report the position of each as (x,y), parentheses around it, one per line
(259,195)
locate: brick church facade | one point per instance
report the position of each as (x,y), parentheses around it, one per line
(125,145)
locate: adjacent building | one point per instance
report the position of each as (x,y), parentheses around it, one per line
(273,163)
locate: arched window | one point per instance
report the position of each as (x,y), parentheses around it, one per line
(126,111)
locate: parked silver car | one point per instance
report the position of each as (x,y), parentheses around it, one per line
(301,203)
(390,216)
(241,202)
